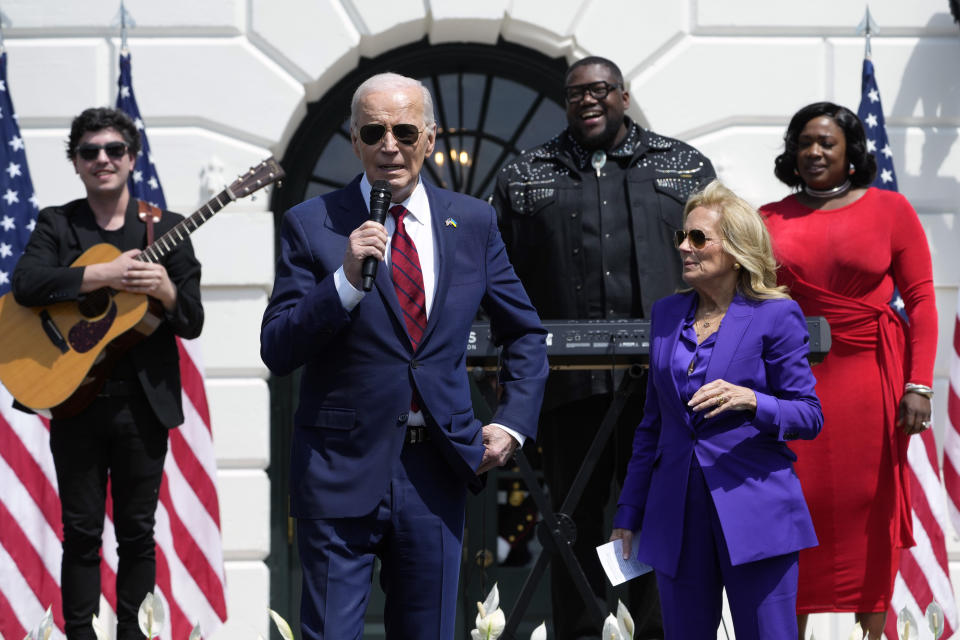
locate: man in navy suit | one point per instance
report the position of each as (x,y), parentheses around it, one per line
(385,442)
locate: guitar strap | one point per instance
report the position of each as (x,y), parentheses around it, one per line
(149,214)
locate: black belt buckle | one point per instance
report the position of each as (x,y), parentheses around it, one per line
(416,435)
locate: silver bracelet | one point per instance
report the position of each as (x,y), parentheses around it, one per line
(922,389)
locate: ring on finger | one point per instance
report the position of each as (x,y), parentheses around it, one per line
(926,424)
(720,400)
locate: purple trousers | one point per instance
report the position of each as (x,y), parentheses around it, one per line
(762,594)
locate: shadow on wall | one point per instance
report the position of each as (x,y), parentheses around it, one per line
(939,101)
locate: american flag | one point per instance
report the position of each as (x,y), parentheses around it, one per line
(30,530)
(190,574)
(924,571)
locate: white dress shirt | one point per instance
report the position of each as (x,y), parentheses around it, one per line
(418,227)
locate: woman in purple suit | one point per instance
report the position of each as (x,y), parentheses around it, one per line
(710,489)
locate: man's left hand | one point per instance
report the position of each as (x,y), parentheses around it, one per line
(498,448)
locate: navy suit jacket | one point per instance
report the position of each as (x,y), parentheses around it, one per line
(360,367)
(761,345)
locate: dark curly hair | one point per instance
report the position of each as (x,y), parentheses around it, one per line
(97,119)
(864,164)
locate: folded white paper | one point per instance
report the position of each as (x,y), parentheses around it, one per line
(617,569)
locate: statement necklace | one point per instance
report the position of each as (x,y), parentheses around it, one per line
(840,189)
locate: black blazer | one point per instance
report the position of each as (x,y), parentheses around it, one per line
(43,276)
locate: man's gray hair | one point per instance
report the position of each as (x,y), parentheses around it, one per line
(387,82)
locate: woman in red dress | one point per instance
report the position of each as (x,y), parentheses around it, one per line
(843,246)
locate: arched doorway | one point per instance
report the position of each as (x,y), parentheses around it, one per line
(491,102)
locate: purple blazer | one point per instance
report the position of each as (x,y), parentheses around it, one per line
(747,465)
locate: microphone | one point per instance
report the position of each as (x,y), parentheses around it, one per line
(379,203)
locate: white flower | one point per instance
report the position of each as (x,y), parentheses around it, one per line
(98,629)
(195,633)
(540,633)
(624,620)
(907,625)
(151,616)
(934,615)
(282,625)
(856,633)
(490,619)
(46,625)
(611,629)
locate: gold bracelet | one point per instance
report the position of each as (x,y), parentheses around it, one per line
(922,389)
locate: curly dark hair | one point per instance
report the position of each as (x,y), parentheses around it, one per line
(97,119)
(864,164)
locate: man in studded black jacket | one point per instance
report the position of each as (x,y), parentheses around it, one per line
(588,220)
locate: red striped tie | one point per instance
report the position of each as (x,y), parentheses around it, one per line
(408,278)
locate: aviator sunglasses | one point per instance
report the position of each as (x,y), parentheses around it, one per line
(698,239)
(404,133)
(115,150)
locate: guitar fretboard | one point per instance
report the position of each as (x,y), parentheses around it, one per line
(169,241)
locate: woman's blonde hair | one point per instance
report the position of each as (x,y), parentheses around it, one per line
(744,237)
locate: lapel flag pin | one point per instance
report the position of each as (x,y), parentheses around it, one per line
(450,222)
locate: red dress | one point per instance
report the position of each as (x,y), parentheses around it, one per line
(843,264)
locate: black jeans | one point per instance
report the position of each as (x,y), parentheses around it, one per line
(119,437)
(566,433)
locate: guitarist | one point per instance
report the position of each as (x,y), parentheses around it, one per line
(123,432)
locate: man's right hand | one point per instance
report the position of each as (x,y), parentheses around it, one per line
(369,239)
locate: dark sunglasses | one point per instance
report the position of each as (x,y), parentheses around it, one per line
(598,90)
(115,150)
(404,133)
(698,239)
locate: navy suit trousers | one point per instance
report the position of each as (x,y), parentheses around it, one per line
(416,530)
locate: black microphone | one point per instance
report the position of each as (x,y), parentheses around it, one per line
(379,203)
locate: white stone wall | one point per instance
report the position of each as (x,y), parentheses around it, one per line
(230,79)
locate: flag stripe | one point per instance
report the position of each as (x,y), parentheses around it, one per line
(200,485)
(191,551)
(29,475)
(38,577)
(7,613)
(178,626)
(191,380)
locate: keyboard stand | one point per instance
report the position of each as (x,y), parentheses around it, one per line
(556,531)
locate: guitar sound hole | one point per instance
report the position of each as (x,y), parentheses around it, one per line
(95,303)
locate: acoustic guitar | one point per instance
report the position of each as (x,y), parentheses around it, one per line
(54,359)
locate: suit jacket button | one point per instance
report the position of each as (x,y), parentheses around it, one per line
(414,364)
(403,417)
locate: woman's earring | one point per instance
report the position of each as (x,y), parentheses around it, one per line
(736,266)
(852,169)
(795,172)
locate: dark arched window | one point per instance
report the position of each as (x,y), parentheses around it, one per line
(491,102)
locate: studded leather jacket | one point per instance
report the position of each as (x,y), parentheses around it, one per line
(539,198)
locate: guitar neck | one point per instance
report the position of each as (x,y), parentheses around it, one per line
(168,242)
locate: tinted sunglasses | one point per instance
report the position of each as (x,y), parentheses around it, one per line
(115,150)
(698,239)
(598,90)
(404,133)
